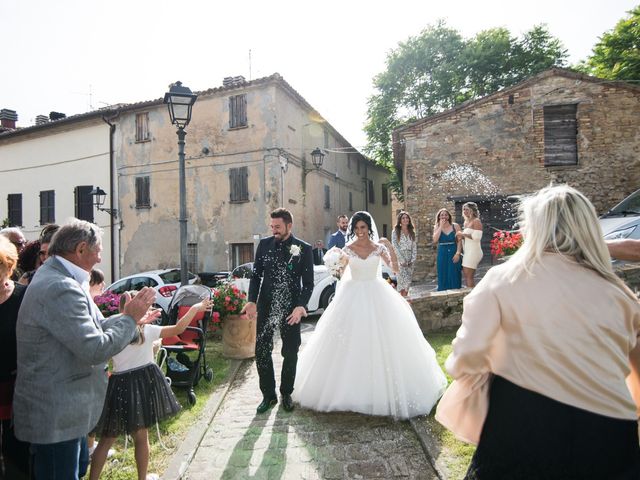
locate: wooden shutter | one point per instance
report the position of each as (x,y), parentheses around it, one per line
(372,193)
(239,184)
(560,135)
(47,207)
(327,196)
(14,204)
(143,199)
(238,111)
(84,203)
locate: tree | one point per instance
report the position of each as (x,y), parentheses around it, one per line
(617,55)
(438,70)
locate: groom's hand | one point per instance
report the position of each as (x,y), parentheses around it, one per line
(249,309)
(296,315)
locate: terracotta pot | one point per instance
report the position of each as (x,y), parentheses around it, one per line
(239,337)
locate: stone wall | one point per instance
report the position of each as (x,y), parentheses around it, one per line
(495,147)
(437,310)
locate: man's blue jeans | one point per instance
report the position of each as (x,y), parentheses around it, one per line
(68,460)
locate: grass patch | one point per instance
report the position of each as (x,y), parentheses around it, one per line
(454,456)
(122,465)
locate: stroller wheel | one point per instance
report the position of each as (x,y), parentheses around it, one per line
(208,375)
(191,397)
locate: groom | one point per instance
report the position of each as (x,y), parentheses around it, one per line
(280,288)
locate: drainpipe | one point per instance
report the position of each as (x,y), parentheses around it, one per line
(114,252)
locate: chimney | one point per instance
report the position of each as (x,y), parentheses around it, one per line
(57,116)
(233,81)
(8,118)
(42,119)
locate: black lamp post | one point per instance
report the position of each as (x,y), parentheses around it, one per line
(180,101)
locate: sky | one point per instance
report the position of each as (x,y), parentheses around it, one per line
(73,56)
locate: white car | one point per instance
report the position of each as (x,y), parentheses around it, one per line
(165,282)
(623,220)
(324,285)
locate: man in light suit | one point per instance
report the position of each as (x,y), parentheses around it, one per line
(63,346)
(339,238)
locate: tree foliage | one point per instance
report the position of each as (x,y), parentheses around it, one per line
(617,55)
(439,69)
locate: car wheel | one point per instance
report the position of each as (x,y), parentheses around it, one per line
(327,296)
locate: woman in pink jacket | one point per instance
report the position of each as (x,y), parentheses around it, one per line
(540,361)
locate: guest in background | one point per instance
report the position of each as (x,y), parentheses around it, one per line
(403,239)
(547,342)
(339,238)
(46,234)
(318,252)
(470,236)
(96,282)
(449,247)
(29,261)
(15,454)
(15,236)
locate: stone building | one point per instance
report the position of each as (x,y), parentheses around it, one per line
(558,126)
(248,151)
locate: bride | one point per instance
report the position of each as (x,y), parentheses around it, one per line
(367,353)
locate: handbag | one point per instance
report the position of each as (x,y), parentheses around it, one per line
(464,406)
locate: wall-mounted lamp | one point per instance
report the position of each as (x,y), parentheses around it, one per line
(99,197)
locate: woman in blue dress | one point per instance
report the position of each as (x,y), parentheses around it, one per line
(449,264)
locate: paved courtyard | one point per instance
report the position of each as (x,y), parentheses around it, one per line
(239,444)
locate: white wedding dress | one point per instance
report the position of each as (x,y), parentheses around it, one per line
(367,353)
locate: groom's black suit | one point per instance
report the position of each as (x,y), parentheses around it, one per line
(280,282)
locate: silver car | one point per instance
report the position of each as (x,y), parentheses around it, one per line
(623,220)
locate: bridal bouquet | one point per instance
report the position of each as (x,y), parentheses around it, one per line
(333,261)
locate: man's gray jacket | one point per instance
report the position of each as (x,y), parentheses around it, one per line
(63,347)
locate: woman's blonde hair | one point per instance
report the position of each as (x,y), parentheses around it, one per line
(562,220)
(8,255)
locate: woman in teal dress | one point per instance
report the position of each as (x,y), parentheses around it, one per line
(449,264)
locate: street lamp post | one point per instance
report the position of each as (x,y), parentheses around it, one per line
(180,100)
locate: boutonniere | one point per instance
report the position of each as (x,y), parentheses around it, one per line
(295,251)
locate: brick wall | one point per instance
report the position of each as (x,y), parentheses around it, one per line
(502,140)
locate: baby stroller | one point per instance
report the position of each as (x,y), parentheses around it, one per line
(186,361)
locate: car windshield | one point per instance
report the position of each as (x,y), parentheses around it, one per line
(173,276)
(629,206)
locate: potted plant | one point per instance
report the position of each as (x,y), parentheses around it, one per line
(505,243)
(108,303)
(238,331)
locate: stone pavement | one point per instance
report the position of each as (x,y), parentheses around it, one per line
(240,444)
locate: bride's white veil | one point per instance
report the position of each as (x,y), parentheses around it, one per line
(346,275)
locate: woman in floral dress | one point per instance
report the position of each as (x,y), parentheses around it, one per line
(404,243)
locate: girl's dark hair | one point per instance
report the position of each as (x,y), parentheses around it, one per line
(398,228)
(29,256)
(96,277)
(358,216)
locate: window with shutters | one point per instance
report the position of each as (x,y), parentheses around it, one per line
(142,127)
(238,111)
(238,185)
(47,207)
(326,139)
(14,204)
(372,192)
(358,165)
(327,197)
(351,201)
(560,135)
(143,199)
(83,201)
(241,253)
(385,194)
